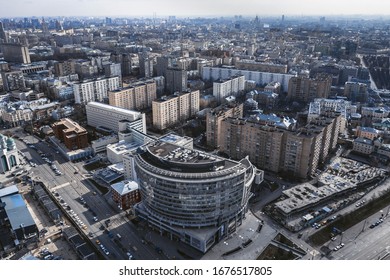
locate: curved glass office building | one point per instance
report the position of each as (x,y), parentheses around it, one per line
(193,196)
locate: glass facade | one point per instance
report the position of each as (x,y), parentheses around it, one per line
(182,195)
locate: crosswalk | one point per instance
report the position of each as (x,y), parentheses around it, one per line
(60,186)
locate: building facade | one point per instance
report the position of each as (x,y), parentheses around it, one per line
(176,80)
(134,97)
(194,197)
(214,119)
(356,92)
(16,53)
(125,194)
(8,154)
(216,73)
(295,152)
(94,90)
(252,65)
(99,114)
(172,109)
(232,86)
(71,134)
(306,89)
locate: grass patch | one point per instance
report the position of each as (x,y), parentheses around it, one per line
(350,219)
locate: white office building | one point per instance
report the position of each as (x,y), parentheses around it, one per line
(99,114)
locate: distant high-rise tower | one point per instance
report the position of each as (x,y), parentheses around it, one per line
(59,26)
(163,62)
(3,36)
(176,80)
(125,60)
(45,29)
(113,70)
(145,65)
(108,21)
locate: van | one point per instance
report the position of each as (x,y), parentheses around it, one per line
(119,236)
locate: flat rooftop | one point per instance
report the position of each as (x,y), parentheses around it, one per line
(174,158)
(343,174)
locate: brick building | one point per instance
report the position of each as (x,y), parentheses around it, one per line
(71,134)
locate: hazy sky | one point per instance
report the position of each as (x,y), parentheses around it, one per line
(27,8)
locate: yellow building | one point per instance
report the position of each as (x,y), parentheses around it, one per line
(170,110)
(135,97)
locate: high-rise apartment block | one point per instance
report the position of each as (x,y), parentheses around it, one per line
(145,65)
(306,89)
(356,92)
(134,97)
(225,88)
(125,61)
(71,134)
(295,152)
(16,53)
(214,119)
(3,35)
(113,70)
(99,114)
(176,80)
(195,197)
(94,90)
(331,108)
(174,108)
(162,65)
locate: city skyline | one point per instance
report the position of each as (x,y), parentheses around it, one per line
(189,8)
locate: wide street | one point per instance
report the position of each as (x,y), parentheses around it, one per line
(74,184)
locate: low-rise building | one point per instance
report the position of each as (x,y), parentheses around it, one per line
(363,146)
(367,132)
(125,194)
(71,134)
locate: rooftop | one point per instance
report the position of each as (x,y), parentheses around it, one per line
(71,126)
(17,211)
(125,187)
(9,191)
(178,161)
(112,108)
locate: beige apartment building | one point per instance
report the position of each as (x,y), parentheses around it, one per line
(306,89)
(170,110)
(214,119)
(296,153)
(262,143)
(135,97)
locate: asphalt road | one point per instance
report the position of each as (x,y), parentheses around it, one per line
(72,185)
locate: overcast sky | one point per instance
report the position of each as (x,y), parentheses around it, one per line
(27,8)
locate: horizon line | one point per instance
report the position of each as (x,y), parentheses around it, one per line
(198,16)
